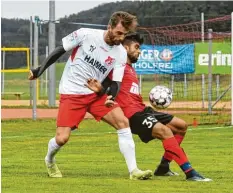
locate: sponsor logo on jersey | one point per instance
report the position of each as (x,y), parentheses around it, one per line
(95,63)
(92,48)
(109,61)
(134,88)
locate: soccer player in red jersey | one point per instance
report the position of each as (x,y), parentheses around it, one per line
(144,121)
(94,54)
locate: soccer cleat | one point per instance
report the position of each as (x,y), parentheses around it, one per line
(164,171)
(53,170)
(199,178)
(168,173)
(137,174)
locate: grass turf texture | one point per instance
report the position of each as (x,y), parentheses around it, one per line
(91,161)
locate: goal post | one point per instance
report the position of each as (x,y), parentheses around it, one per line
(27,50)
(15,79)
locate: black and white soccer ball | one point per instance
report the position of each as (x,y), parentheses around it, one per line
(160,97)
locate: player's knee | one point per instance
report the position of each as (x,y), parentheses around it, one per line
(62,139)
(161,131)
(122,123)
(183,127)
(62,136)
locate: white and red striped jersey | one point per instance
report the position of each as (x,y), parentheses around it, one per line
(91,57)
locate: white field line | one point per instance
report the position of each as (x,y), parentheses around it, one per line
(207,128)
(106,133)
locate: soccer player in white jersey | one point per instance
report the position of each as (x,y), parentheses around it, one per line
(94,54)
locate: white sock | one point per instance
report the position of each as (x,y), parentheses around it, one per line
(127,147)
(53,148)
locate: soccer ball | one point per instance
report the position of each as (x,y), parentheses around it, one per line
(160,97)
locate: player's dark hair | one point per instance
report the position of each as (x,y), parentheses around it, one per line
(135,37)
(127,20)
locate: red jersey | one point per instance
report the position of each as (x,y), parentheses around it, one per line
(128,97)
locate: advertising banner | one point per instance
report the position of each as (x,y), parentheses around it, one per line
(221,58)
(171,59)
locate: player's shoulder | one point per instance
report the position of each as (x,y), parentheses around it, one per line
(122,50)
(128,69)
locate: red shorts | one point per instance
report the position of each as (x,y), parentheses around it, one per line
(73,108)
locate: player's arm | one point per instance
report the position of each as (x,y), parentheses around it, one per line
(68,43)
(108,86)
(112,93)
(97,87)
(57,53)
(117,76)
(113,90)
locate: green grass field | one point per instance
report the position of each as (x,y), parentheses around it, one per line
(91,161)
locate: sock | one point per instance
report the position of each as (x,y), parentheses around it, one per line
(53,148)
(127,147)
(167,158)
(172,147)
(179,138)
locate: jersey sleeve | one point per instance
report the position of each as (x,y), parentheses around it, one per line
(119,68)
(74,39)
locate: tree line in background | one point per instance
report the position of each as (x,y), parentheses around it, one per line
(16,32)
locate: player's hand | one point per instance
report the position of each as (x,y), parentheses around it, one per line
(33,74)
(94,85)
(109,102)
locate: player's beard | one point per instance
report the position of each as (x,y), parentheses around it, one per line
(132,58)
(112,39)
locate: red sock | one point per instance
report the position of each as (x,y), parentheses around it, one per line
(174,151)
(179,139)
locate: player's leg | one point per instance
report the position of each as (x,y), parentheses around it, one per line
(126,143)
(172,147)
(71,112)
(179,129)
(148,127)
(54,145)
(178,126)
(142,123)
(115,117)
